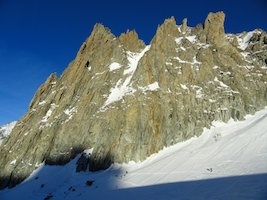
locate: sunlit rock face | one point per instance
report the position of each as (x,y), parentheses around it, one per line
(127,100)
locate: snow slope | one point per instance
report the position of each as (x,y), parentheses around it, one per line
(228,161)
(6,130)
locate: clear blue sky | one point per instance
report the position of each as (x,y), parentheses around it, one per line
(38,37)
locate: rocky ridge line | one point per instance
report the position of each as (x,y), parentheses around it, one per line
(127,100)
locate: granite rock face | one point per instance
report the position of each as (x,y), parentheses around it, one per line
(127,101)
(214,28)
(131,41)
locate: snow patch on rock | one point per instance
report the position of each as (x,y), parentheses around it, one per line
(244,41)
(114,66)
(69,112)
(123,88)
(151,87)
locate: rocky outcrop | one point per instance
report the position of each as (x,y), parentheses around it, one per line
(131,41)
(214,28)
(127,100)
(258,46)
(184,25)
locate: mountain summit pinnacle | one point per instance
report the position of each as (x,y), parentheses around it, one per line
(126,100)
(184,25)
(214,28)
(131,41)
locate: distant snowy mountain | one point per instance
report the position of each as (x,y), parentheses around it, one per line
(228,161)
(6,130)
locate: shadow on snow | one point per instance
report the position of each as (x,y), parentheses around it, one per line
(105,185)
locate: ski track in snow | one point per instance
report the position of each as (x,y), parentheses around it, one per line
(228,161)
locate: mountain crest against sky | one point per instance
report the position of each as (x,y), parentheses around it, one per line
(127,101)
(131,41)
(214,28)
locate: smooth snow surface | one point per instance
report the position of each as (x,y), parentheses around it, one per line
(228,161)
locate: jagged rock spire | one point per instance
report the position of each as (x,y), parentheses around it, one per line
(168,27)
(131,41)
(214,28)
(184,25)
(100,29)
